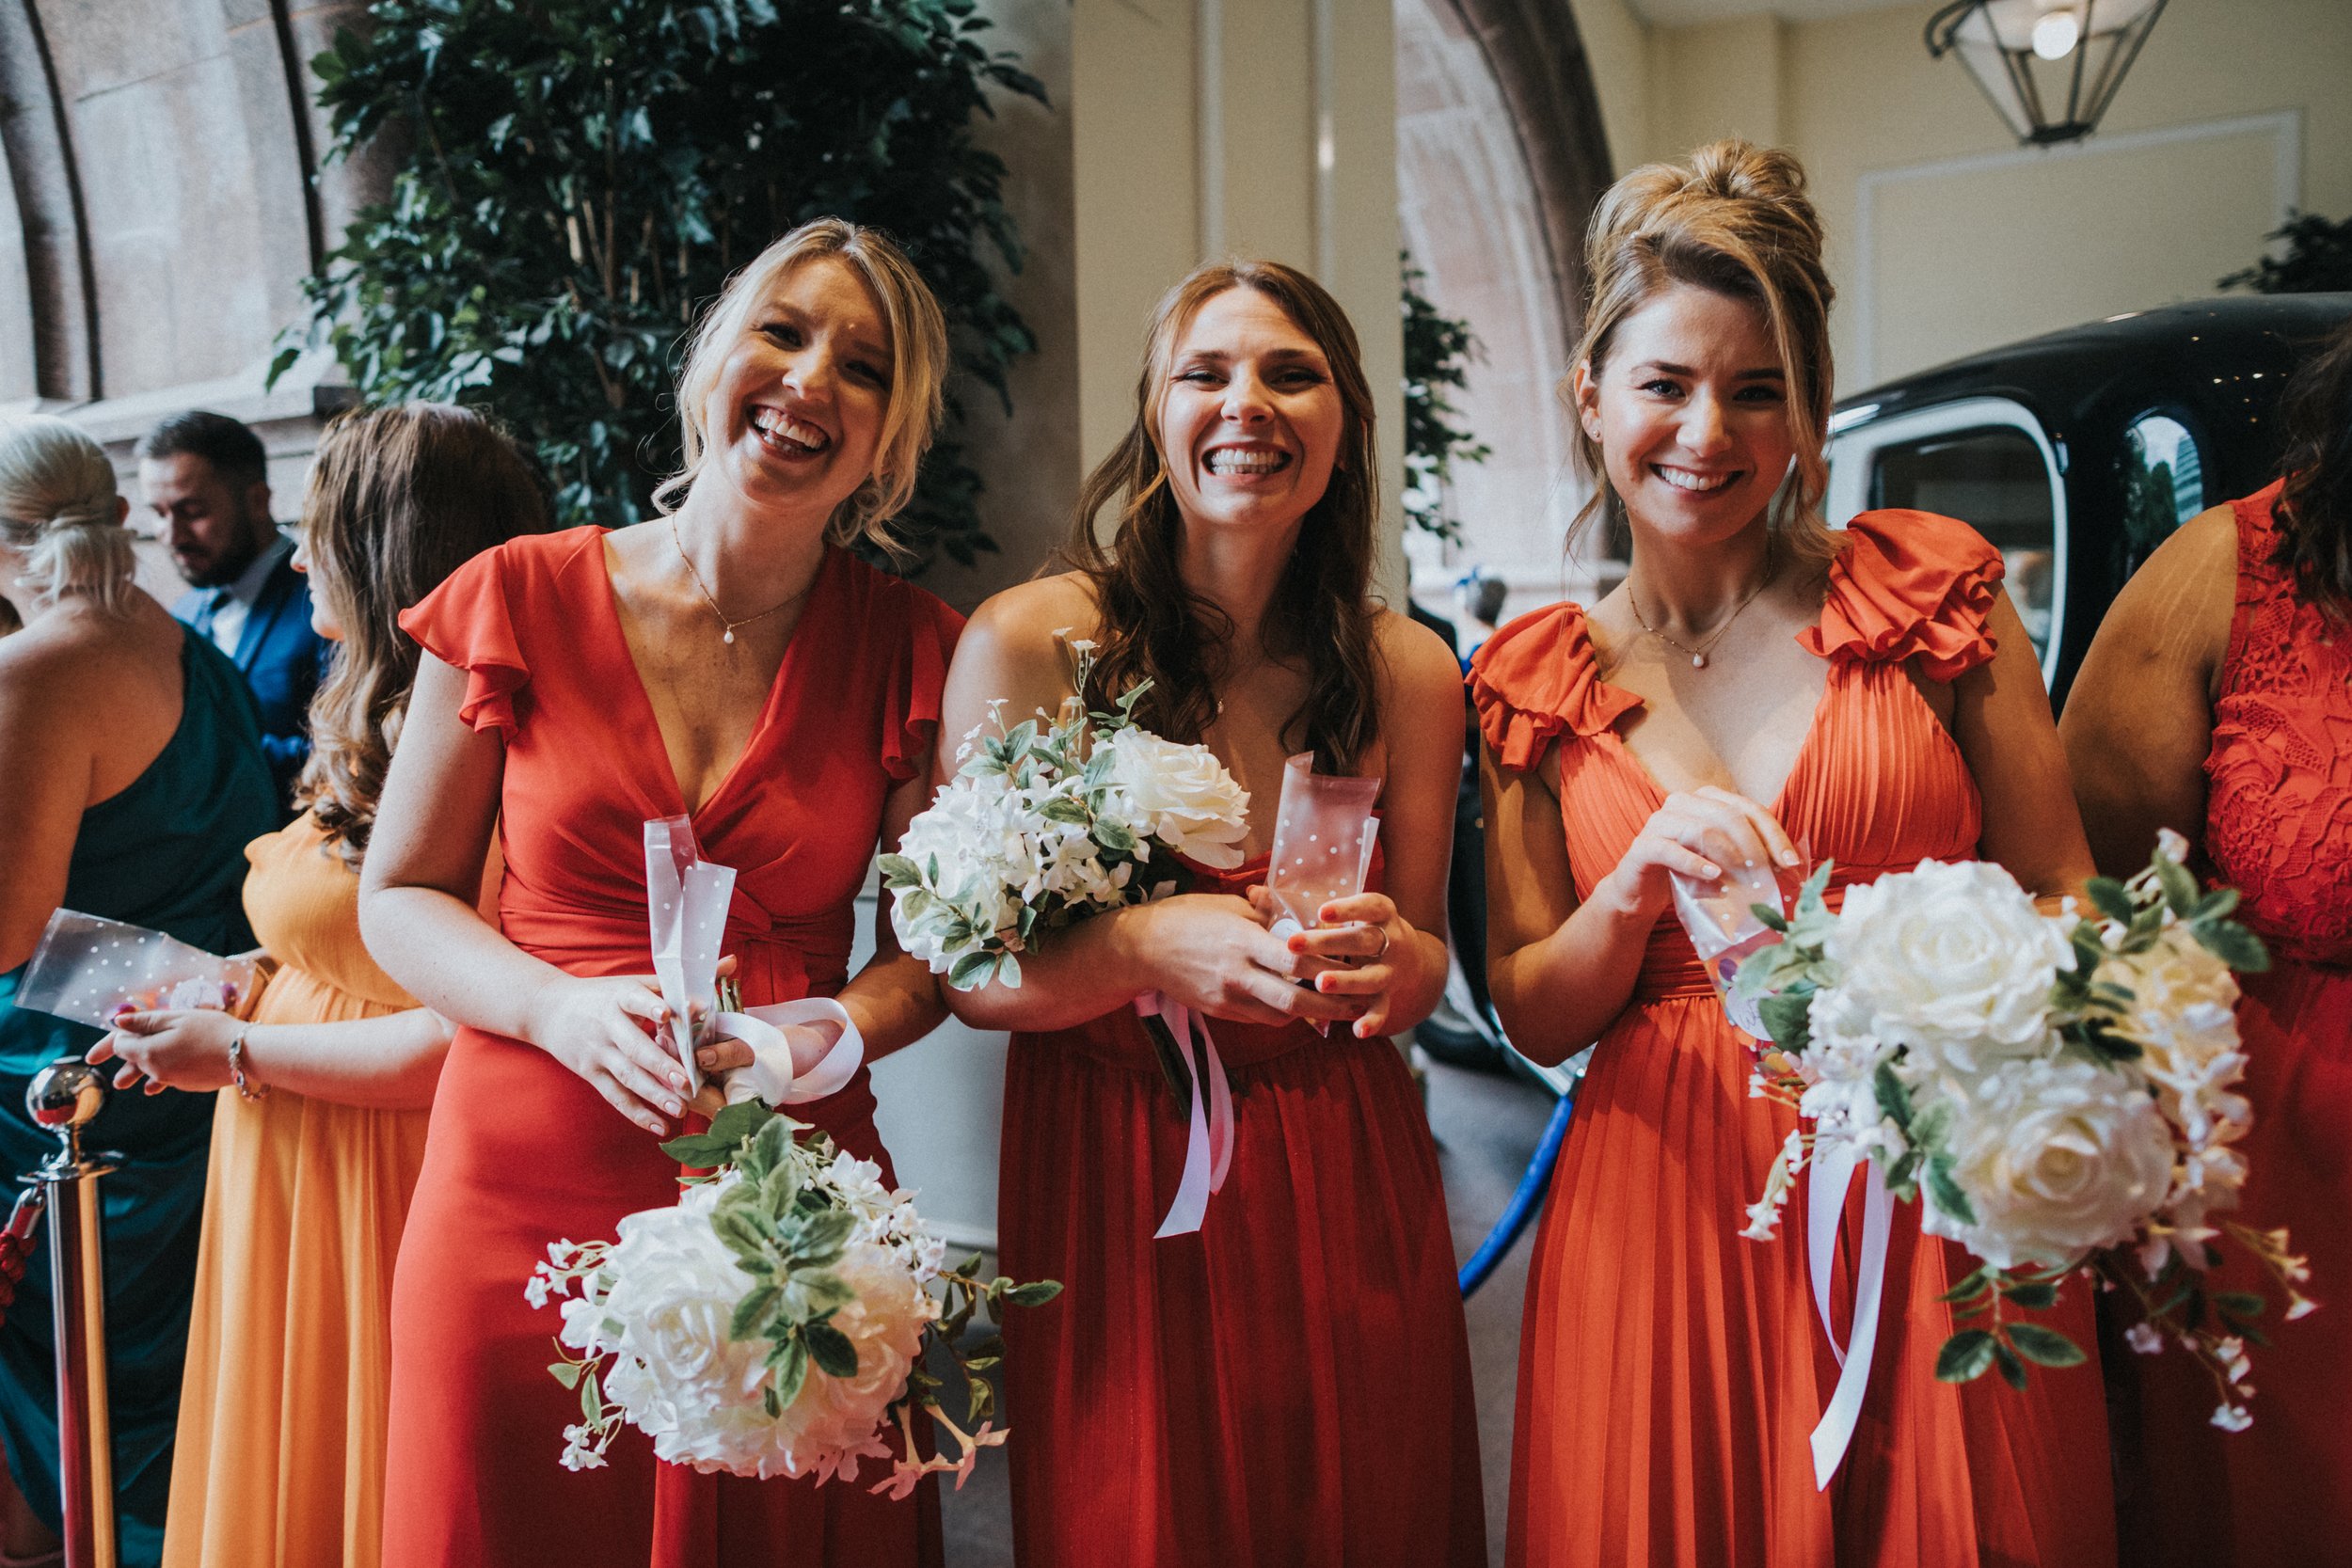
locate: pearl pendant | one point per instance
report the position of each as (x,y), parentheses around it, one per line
(1699,662)
(730,636)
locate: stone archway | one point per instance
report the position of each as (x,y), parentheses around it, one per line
(1500,158)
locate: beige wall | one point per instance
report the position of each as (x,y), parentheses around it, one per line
(1945,237)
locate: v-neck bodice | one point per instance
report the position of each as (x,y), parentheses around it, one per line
(1877,785)
(534,625)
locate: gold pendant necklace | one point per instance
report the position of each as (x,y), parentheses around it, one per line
(1698,654)
(773,608)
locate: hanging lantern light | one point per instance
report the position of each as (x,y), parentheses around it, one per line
(2050,67)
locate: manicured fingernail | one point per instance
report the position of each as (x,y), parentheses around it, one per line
(673,1107)
(1297,945)
(677,1080)
(1708,868)
(708,1058)
(1788,857)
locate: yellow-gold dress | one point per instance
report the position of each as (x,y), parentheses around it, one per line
(280,1451)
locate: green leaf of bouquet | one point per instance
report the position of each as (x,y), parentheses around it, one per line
(2180,888)
(1772,918)
(898,871)
(1965,1356)
(2012,1369)
(2217,905)
(1788,1016)
(751,1313)
(1035,1293)
(789,1362)
(740,1231)
(2109,898)
(2240,1304)
(1947,1191)
(818,1237)
(1972,1286)
(1061,808)
(1115,836)
(1902,1176)
(2234,945)
(564,1372)
(2044,1347)
(1894,1099)
(2032,1294)
(972,970)
(739,1120)
(591,1400)
(831,1349)
(700,1150)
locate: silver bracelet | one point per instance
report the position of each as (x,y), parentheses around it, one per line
(246,1088)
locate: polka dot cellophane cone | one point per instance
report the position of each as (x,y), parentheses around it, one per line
(90,970)
(1323,832)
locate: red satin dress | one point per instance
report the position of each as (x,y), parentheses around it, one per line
(1670,1371)
(1290,1388)
(2278,828)
(522,1151)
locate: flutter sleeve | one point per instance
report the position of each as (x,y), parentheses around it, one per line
(910,730)
(1538,678)
(1910,585)
(468,623)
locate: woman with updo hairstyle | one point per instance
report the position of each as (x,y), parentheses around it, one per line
(131,780)
(280,1453)
(2217,701)
(1758,690)
(732,661)
(1288,1384)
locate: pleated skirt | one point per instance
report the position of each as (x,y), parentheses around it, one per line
(1287,1389)
(1671,1372)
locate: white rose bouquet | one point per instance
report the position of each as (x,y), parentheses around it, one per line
(1045,824)
(2056,1092)
(772,1322)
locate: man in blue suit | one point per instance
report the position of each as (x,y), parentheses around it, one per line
(207,480)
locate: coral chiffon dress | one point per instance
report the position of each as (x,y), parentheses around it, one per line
(1670,1371)
(2278,829)
(522,1152)
(1290,1386)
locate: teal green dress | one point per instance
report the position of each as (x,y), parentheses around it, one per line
(167,853)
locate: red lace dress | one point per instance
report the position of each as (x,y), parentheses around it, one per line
(1289,1387)
(522,1151)
(1670,1370)
(2278,828)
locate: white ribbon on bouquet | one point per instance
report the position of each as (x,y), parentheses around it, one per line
(1826,1183)
(686,902)
(1209,1147)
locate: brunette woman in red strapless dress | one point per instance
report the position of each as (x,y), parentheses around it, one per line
(733,661)
(2217,701)
(1879,690)
(1289,1386)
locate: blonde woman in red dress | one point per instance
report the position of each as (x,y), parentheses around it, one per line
(1290,1385)
(735,662)
(2217,701)
(1756,683)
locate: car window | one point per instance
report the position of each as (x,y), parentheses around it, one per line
(1995,480)
(2164,481)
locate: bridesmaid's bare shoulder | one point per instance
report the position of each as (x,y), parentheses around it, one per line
(1417,666)
(1012,652)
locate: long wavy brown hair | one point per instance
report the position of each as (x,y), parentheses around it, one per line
(2315,510)
(399,498)
(1155,629)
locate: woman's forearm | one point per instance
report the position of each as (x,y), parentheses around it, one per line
(1556,994)
(445,954)
(392,1062)
(1088,970)
(894,1002)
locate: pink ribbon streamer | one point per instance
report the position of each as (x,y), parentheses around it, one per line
(1209,1146)
(1825,1199)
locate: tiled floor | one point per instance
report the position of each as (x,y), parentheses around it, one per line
(1486,1127)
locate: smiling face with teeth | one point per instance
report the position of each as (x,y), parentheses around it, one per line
(1249,420)
(796,415)
(1691,410)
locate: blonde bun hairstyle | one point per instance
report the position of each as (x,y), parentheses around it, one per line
(59,506)
(1733,218)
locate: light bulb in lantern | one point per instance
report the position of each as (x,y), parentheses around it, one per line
(2055,34)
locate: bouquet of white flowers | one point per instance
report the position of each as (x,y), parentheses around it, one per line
(1046,824)
(772,1322)
(2055,1091)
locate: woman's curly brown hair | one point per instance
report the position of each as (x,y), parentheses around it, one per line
(399,498)
(2315,510)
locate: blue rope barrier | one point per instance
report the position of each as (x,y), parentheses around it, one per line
(1524,1202)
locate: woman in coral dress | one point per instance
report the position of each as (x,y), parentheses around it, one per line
(2217,700)
(1758,683)
(734,662)
(1288,1386)
(279,1459)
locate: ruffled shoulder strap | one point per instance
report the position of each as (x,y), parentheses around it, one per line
(2258,530)
(470,621)
(1910,585)
(1536,677)
(912,636)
